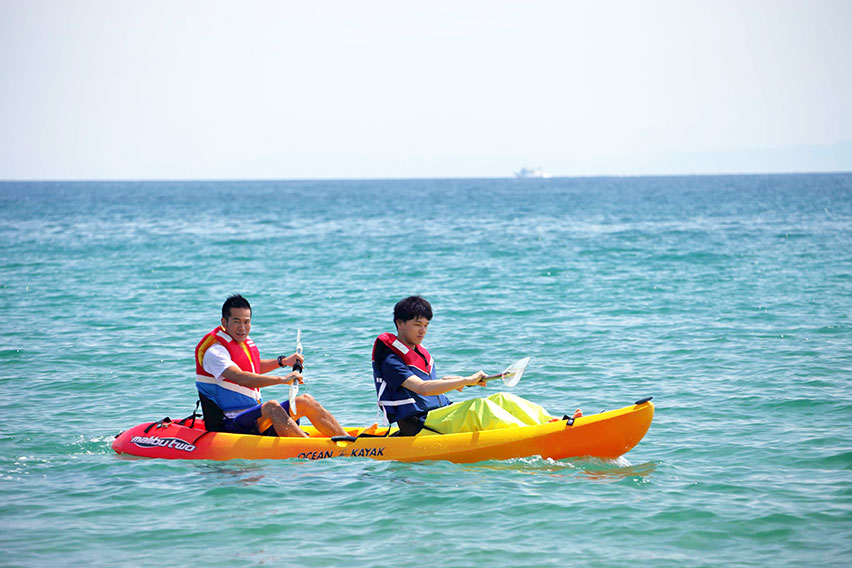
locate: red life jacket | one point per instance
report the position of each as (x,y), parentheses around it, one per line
(408,356)
(228,395)
(398,403)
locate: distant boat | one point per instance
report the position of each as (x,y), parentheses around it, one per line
(531,173)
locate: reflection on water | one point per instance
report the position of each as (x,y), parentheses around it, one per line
(233,472)
(592,468)
(616,470)
(278,472)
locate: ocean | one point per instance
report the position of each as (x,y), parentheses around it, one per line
(726,298)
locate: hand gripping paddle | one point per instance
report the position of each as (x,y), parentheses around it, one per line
(297,366)
(513,373)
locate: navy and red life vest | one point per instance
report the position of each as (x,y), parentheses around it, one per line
(228,395)
(399,403)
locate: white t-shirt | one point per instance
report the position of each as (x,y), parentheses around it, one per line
(216,360)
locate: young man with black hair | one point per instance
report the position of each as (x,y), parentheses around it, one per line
(410,393)
(230,374)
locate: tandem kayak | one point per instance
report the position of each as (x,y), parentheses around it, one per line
(605,435)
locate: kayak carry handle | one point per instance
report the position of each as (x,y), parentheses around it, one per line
(643,400)
(343,438)
(164,423)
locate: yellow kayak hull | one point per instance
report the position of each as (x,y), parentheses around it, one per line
(605,435)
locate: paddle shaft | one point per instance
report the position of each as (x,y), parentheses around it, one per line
(516,368)
(488,378)
(297,366)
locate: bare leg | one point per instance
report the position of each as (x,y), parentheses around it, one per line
(281,421)
(322,419)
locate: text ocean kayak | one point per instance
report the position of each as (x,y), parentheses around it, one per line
(606,435)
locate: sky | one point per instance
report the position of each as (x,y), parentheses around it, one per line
(116,89)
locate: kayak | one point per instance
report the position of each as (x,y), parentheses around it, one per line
(608,434)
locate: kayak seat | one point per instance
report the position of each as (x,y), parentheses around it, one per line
(214,418)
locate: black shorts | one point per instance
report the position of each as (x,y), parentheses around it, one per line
(246,421)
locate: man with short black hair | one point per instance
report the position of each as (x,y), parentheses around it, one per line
(410,393)
(230,374)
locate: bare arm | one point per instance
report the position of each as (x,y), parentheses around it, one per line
(442,385)
(256,381)
(267,365)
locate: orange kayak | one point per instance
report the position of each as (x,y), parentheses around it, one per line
(606,435)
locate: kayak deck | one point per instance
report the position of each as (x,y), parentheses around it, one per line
(606,435)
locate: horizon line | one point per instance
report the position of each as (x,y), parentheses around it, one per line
(425,178)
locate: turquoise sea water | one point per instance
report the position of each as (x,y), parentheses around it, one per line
(726,298)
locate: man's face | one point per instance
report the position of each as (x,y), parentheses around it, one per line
(413,331)
(238,324)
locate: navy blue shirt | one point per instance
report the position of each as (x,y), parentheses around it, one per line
(394,372)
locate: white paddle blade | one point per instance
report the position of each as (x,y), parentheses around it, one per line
(513,373)
(294,390)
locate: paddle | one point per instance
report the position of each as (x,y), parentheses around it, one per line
(512,374)
(297,366)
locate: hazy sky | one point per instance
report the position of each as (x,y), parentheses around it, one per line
(375,89)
